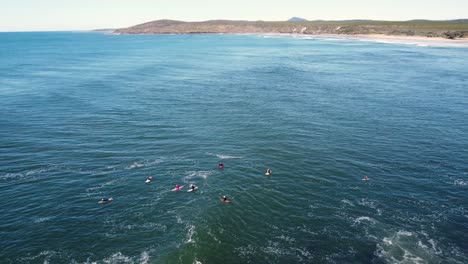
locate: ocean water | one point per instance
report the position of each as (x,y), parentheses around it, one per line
(91,115)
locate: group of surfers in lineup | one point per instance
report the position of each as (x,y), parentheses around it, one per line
(177,188)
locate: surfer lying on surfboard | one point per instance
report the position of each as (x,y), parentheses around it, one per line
(192,188)
(225,199)
(105,200)
(268,172)
(149,179)
(177,188)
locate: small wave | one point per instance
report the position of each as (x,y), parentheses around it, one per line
(45,255)
(404,233)
(361,219)
(227,156)
(287,238)
(43,219)
(144,257)
(222,156)
(201,174)
(190,233)
(151,226)
(274,249)
(91,191)
(118,258)
(460,182)
(179,219)
(348,202)
(367,203)
(141,164)
(24,175)
(246,250)
(407,247)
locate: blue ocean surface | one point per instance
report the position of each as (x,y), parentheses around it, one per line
(91,115)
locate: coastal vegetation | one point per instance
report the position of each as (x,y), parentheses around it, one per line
(452,29)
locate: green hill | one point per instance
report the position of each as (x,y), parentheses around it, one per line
(446,29)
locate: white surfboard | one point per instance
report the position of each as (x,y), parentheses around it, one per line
(191,190)
(267,174)
(108,200)
(175,190)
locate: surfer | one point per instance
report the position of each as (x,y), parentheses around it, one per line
(220,165)
(192,187)
(177,187)
(268,172)
(149,179)
(225,199)
(365,178)
(105,200)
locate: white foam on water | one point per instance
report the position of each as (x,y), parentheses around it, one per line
(179,219)
(304,253)
(367,203)
(190,233)
(43,219)
(118,258)
(407,247)
(46,254)
(404,233)
(214,237)
(141,164)
(200,174)
(223,156)
(144,257)
(287,238)
(362,219)
(25,175)
(246,250)
(348,202)
(151,226)
(93,191)
(460,182)
(195,261)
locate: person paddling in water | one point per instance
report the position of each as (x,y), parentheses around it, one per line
(365,178)
(225,199)
(220,165)
(105,200)
(268,172)
(177,187)
(192,187)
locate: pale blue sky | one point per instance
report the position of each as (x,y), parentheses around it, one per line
(26,15)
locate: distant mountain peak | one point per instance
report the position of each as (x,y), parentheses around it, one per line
(296,19)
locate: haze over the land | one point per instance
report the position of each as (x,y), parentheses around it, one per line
(32,15)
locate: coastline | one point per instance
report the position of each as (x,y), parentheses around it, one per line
(382,38)
(414,40)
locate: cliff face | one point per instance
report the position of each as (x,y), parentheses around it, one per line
(446,29)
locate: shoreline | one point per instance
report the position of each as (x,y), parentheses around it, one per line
(389,39)
(380,38)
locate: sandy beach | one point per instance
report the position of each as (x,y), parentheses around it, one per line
(390,39)
(413,40)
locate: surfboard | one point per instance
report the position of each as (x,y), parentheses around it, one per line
(191,190)
(267,174)
(175,190)
(148,181)
(108,200)
(223,201)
